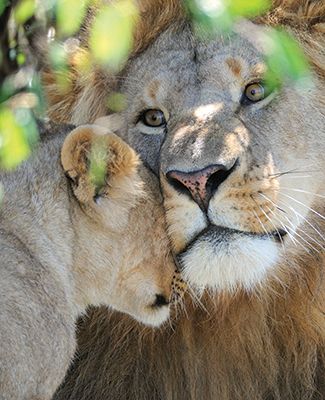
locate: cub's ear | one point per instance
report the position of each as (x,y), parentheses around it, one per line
(98,163)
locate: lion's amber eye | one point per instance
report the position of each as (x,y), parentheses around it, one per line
(255,92)
(153,118)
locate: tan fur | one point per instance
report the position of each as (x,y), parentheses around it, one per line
(66,244)
(261,340)
(234,66)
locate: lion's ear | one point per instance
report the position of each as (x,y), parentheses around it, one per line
(96,162)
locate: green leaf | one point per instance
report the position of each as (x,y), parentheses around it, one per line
(116,102)
(247,8)
(58,56)
(14,146)
(21,59)
(59,63)
(3,5)
(26,120)
(98,162)
(212,16)
(70,14)
(285,58)
(209,16)
(6,90)
(24,10)
(112,33)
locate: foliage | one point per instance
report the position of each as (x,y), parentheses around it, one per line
(111,35)
(21,98)
(212,16)
(284,57)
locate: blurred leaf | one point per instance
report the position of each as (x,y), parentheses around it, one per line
(211,16)
(111,34)
(285,58)
(26,120)
(7,90)
(21,59)
(98,162)
(37,88)
(116,102)
(70,14)
(24,10)
(3,5)
(14,146)
(82,61)
(59,63)
(248,8)
(58,56)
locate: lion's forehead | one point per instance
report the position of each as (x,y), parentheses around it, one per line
(169,67)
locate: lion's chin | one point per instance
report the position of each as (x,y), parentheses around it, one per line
(222,259)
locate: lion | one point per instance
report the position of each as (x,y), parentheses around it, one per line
(68,241)
(241,172)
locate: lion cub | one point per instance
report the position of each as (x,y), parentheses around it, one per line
(68,241)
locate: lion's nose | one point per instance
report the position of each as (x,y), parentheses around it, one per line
(200,184)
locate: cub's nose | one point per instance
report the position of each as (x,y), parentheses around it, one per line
(200,184)
(160,301)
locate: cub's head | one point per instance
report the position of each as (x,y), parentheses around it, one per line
(241,164)
(121,252)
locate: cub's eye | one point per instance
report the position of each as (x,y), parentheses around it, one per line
(153,118)
(255,92)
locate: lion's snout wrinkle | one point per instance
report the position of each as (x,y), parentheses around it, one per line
(200,184)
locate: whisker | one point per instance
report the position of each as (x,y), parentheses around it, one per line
(183,307)
(261,223)
(311,238)
(294,177)
(196,299)
(275,205)
(296,233)
(304,205)
(306,220)
(305,233)
(276,229)
(294,171)
(292,238)
(304,191)
(269,219)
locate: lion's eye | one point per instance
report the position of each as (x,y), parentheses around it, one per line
(255,92)
(153,118)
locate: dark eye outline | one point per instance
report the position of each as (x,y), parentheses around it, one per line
(142,118)
(246,101)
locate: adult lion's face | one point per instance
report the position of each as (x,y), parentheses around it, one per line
(232,156)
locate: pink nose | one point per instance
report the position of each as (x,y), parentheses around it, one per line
(201,184)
